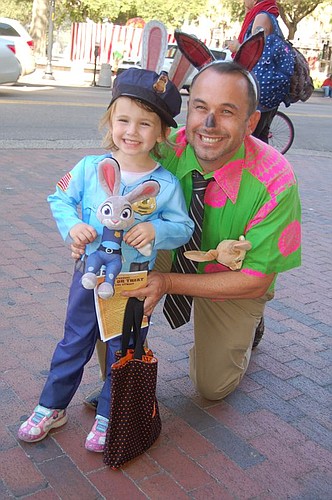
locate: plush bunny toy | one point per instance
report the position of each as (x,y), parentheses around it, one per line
(230,253)
(116,214)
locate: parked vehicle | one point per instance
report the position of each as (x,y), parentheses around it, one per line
(24,45)
(128,63)
(10,68)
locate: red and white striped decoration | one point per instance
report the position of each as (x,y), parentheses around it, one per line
(85,36)
(110,37)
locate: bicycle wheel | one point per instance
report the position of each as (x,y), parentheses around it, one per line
(281,135)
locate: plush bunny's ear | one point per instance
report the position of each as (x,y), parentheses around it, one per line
(109,176)
(147,189)
(193,49)
(154,46)
(251,50)
(199,256)
(242,245)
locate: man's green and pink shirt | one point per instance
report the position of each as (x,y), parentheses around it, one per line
(255,194)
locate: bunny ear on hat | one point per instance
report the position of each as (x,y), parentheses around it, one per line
(180,70)
(154,46)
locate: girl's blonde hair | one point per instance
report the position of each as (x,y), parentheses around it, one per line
(106,120)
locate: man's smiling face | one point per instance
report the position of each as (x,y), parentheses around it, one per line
(217,119)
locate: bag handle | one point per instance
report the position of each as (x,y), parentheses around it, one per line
(132,322)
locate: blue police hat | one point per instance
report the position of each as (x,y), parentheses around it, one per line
(155,90)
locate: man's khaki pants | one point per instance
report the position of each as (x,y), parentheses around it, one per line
(223,337)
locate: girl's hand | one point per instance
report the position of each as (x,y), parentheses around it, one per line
(81,234)
(140,235)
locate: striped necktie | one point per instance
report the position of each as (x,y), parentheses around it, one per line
(177,308)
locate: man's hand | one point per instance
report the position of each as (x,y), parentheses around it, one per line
(227,285)
(158,284)
(81,234)
(140,235)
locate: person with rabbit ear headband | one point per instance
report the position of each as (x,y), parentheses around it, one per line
(117,210)
(251,193)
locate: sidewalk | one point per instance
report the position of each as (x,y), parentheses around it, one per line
(268,440)
(271,439)
(74,77)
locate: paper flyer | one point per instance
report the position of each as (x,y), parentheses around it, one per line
(110,312)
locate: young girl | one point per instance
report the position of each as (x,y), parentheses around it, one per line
(139,117)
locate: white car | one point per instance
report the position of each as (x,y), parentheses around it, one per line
(10,68)
(24,45)
(128,63)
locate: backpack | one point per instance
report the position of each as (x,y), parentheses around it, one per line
(301,84)
(275,68)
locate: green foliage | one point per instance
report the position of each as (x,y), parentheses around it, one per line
(298,9)
(81,10)
(172,13)
(291,11)
(235,8)
(17,9)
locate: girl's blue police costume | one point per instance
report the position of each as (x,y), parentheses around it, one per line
(173,228)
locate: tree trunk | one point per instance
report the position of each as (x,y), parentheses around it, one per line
(291,31)
(39,23)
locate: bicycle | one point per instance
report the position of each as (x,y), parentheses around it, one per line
(281,135)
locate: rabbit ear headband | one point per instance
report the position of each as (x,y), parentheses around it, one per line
(193,53)
(160,89)
(201,57)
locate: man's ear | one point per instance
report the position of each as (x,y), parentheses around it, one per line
(252,122)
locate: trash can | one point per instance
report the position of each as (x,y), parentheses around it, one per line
(105,76)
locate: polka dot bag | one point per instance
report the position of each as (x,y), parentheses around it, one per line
(134,420)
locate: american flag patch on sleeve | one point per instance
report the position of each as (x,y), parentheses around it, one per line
(64,182)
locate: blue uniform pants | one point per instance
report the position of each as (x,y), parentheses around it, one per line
(75,349)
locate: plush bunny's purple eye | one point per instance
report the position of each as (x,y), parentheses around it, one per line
(126,213)
(107,210)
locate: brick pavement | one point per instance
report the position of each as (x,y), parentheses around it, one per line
(270,439)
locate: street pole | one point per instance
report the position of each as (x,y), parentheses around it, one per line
(48,71)
(97,48)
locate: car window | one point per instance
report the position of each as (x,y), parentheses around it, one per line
(6,30)
(218,54)
(171,51)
